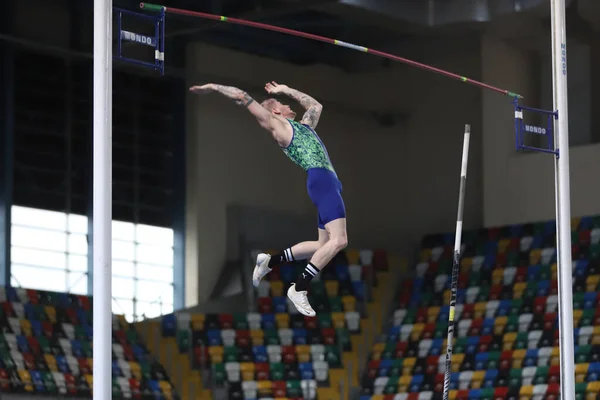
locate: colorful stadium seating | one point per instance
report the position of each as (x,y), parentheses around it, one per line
(506,330)
(45,348)
(276,352)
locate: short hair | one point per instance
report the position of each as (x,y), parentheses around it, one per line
(269,104)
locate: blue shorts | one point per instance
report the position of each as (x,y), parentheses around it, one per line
(325,191)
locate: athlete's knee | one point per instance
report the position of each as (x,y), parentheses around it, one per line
(339,242)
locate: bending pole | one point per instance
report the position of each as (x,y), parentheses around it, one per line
(563,201)
(237,21)
(102,213)
(456,257)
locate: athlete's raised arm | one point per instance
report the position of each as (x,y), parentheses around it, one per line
(264,117)
(313,107)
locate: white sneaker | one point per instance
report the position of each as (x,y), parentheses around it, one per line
(300,300)
(261,269)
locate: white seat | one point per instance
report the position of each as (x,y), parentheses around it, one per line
(380,384)
(463,327)
(464,379)
(399,316)
(15,325)
(353,321)
(309,389)
(509,275)
(228,337)
(436,253)
(321,369)
(19,310)
(533,338)
(526,243)
(233,371)
(274,353)
(264,288)
(426,395)
(401,396)
(524,322)
(551,304)
(183,321)
(595,236)
(286,337)
(405,331)
(317,352)
(69,330)
(254,321)
(2,294)
(355,272)
(491,307)
(472,294)
(477,263)
(440,283)
(544,355)
(527,375)
(548,255)
(422,268)
(366,257)
(424,347)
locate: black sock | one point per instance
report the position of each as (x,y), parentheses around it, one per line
(277,259)
(307,275)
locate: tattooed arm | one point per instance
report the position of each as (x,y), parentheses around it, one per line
(241,98)
(313,107)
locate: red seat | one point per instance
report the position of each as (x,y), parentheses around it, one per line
(33,296)
(262,371)
(4,381)
(412,396)
(8,310)
(515,244)
(553,388)
(34,345)
(468,310)
(476,325)
(226,321)
(71,384)
(495,292)
(373,369)
(493,234)
(501,259)
(310,323)
(521,275)
(329,336)
(84,302)
(288,354)
(242,338)
(389,397)
(380,260)
(135,387)
(463,281)
(29,361)
(421,316)
(428,331)
(553,377)
(585,237)
(201,357)
(128,353)
(432,365)
(279,389)
(549,321)
(462,395)
(539,304)
(72,315)
(265,305)
(48,329)
(484,343)
(439,382)
(500,393)
(401,348)
(84,366)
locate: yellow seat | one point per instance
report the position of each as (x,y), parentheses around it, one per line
(477,379)
(432,314)
(264,388)
(425,255)
(577,316)
(508,340)
(90,380)
(535,256)
(592,283)
(555,356)
(575,223)
(198,322)
(378,347)
(349,303)
(520,287)
(497,276)
(452,394)
(526,390)
(353,256)
(303,353)
(51,362)
(479,310)
(457,360)
(405,380)
(26,380)
(503,245)
(593,387)
(518,357)
(277,288)
(216,354)
(332,288)
(581,372)
(26,327)
(339,320)
(375,397)
(282,320)
(51,313)
(136,370)
(247,371)
(447,295)
(466,264)
(165,386)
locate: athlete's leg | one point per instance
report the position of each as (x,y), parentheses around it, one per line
(301,251)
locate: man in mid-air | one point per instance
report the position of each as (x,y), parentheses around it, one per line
(302,145)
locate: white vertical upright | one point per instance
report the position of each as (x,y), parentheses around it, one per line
(563,201)
(102,213)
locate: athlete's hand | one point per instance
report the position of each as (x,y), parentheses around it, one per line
(209,87)
(274,88)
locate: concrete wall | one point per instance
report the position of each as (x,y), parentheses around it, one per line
(399,182)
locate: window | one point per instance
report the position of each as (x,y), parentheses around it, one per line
(49,251)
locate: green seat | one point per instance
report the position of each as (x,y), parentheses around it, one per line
(474,278)
(332,356)
(426,299)
(530,290)
(44,345)
(317,290)
(7,360)
(441,330)
(116,389)
(581,354)
(324,320)
(294,389)
(574,237)
(580,389)
(512,259)
(277,372)
(146,370)
(484,294)
(594,251)
(515,308)
(538,228)
(487,394)
(183,340)
(460,345)
(343,338)
(48,380)
(545,272)
(493,359)
(512,325)
(396,368)
(86,348)
(445,266)
(596,222)
(515,377)
(391,387)
(587,318)
(271,336)
(40,313)
(522,341)
(80,333)
(388,352)
(541,375)
(480,248)
(335,304)
(220,374)
(240,321)
(132,336)
(578,300)
(230,354)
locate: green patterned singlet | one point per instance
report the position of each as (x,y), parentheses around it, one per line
(306,148)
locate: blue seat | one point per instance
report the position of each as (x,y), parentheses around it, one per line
(586,223)
(36,327)
(260,354)
(77,348)
(299,336)
(61,363)
(475,394)
(384,367)
(359,290)
(214,337)
(287,272)
(342,272)
(436,347)
(268,321)
(550,228)
(487,327)
(393,334)
(116,370)
(503,308)
(169,325)
(489,380)
(280,305)
(537,243)
(306,370)
(38,382)
(62,300)
(154,386)
(533,271)
(472,342)
(22,344)
(491,248)
(580,268)
(29,312)
(461,296)
(444,314)
(531,358)
(593,372)
(589,300)
(515,231)
(83,316)
(543,288)
(481,361)
(454,380)
(448,238)
(11,295)
(489,261)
